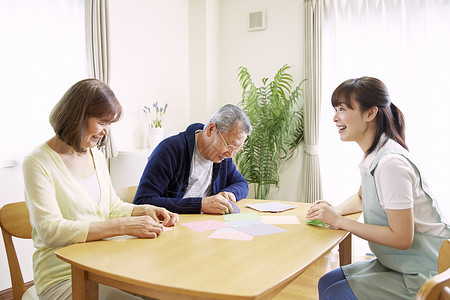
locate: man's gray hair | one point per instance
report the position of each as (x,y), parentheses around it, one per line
(228,115)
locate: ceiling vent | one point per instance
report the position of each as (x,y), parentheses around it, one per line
(257,20)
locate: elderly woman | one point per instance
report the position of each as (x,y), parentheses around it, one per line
(69,192)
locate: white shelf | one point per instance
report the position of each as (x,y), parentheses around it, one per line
(136,152)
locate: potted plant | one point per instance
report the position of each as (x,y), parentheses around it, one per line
(275,110)
(154,117)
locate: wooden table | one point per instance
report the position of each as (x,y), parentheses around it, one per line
(184,264)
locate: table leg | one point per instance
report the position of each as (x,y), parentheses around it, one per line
(345,250)
(82,287)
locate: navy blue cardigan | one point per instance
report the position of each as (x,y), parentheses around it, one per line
(165,178)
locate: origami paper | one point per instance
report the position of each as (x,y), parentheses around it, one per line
(279,220)
(230,234)
(207,225)
(271,206)
(241,216)
(260,229)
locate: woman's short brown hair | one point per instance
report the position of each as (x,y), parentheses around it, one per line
(86,98)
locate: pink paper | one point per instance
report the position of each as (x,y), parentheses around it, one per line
(230,234)
(207,225)
(259,229)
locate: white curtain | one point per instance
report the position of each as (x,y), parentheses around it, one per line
(42,55)
(310,180)
(97,50)
(406,44)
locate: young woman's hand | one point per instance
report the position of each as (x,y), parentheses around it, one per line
(324,211)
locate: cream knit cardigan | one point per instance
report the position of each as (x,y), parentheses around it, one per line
(61,210)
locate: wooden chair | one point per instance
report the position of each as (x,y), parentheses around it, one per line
(15,222)
(129,194)
(438,286)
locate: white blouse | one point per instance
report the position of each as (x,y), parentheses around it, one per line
(91,186)
(398,187)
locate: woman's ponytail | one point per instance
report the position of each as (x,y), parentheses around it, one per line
(399,125)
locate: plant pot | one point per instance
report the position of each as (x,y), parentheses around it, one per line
(155,136)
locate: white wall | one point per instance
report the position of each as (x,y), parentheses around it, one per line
(263,53)
(203,58)
(149,58)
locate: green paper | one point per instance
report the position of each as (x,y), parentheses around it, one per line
(241,217)
(316,223)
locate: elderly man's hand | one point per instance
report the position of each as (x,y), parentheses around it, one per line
(216,204)
(228,195)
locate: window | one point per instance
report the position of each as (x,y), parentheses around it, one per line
(405,44)
(43,53)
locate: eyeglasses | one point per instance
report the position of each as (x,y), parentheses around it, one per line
(230,147)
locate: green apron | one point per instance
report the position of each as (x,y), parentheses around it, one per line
(394,274)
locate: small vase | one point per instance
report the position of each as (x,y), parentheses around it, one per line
(155,136)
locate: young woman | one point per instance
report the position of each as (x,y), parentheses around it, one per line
(402,221)
(69,192)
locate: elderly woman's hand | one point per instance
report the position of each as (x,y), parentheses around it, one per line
(158,214)
(141,226)
(167,218)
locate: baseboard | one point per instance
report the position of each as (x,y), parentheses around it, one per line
(8,293)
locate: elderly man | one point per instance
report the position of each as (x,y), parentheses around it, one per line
(193,172)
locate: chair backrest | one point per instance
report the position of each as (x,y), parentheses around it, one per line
(15,222)
(129,196)
(438,287)
(444,256)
